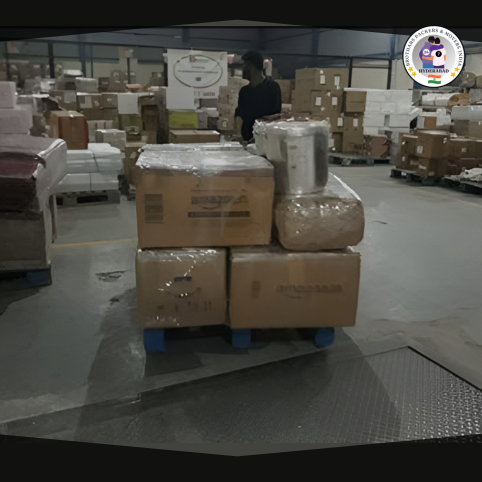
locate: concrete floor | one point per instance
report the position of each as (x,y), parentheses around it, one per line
(77,342)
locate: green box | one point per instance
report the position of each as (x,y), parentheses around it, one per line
(183,120)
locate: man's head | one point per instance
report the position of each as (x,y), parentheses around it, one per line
(431,40)
(437,41)
(253,61)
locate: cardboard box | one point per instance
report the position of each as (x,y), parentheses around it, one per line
(67,99)
(131,155)
(338,141)
(226,124)
(193,136)
(182,120)
(273,288)
(150,137)
(353,137)
(412,163)
(104,84)
(93,114)
(431,168)
(432,144)
(460,148)
(321,79)
(402,161)
(377,147)
(71,127)
(115,137)
(150,117)
(181,287)
(301,101)
(86,85)
(96,125)
(187,199)
(408,144)
(354,102)
(468,128)
(26,243)
(286,87)
(89,101)
(109,101)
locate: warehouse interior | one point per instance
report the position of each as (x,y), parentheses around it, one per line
(75,364)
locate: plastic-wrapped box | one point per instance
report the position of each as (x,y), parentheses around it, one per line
(79,162)
(203,199)
(86,85)
(259,132)
(181,287)
(15,121)
(331,219)
(7,95)
(30,169)
(74,182)
(108,158)
(208,146)
(116,138)
(299,152)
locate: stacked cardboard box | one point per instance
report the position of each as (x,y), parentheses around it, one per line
(70,126)
(220,202)
(30,170)
(287,87)
(227,104)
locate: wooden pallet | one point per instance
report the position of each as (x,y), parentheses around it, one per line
(24,279)
(92,198)
(462,185)
(412,176)
(155,342)
(352,159)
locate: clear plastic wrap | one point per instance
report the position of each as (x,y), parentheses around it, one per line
(299,152)
(331,219)
(208,146)
(181,287)
(205,163)
(259,132)
(30,169)
(116,138)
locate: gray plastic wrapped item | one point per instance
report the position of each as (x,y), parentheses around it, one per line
(259,132)
(208,146)
(331,219)
(114,137)
(475,95)
(465,79)
(86,85)
(30,169)
(299,152)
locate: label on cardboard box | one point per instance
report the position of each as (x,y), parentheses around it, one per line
(420,149)
(322,79)
(337,80)
(334,101)
(340,122)
(318,101)
(87,103)
(355,122)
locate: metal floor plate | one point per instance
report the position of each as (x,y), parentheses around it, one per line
(390,397)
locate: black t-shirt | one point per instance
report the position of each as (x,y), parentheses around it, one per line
(256,102)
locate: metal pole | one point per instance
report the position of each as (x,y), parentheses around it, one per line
(128,70)
(350,71)
(9,75)
(389,80)
(82,57)
(51,60)
(91,61)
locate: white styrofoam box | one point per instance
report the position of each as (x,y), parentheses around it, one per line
(373,107)
(96,125)
(397,120)
(467,112)
(415,112)
(74,183)
(8,97)
(114,137)
(104,181)
(128,103)
(429,99)
(15,121)
(105,151)
(373,120)
(81,166)
(442,100)
(108,165)
(79,154)
(439,112)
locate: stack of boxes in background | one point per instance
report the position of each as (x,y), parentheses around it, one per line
(227,104)
(13,120)
(319,93)
(287,87)
(385,112)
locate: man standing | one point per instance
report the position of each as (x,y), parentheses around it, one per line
(262,97)
(425,53)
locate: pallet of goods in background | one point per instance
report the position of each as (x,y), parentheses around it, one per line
(269,256)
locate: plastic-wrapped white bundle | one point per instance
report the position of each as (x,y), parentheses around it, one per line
(108,158)
(331,219)
(80,161)
(259,132)
(299,152)
(207,146)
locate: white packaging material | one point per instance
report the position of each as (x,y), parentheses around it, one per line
(401,96)
(442,100)
(373,120)
(50,155)
(373,107)
(27,102)
(128,103)
(371,131)
(15,121)
(475,95)
(86,85)
(74,183)
(208,146)
(115,137)
(104,181)
(81,166)
(397,120)
(300,154)
(96,125)
(105,151)
(467,112)
(7,95)
(429,99)
(251,148)
(260,137)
